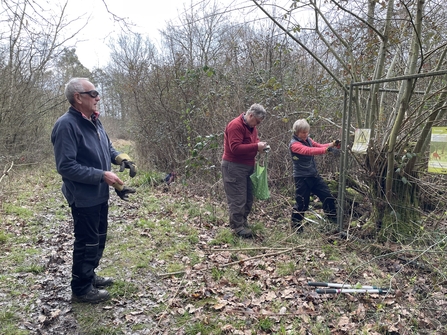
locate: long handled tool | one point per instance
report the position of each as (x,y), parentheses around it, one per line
(346,288)
(349,290)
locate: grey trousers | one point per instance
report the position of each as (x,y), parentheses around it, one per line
(239,192)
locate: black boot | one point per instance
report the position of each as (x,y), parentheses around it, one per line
(101,282)
(332,219)
(244,232)
(94,296)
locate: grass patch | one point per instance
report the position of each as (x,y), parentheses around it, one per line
(19,211)
(224,236)
(179,269)
(287,268)
(3,237)
(123,289)
(265,324)
(32,268)
(200,327)
(150,179)
(9,322)
(92,319)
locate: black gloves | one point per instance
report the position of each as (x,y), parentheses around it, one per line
(334,151)
(123,191)
(335,148)
(126,163)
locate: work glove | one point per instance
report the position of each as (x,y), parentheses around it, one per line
(123,191)
(125,163)
(336,144)
(334,151)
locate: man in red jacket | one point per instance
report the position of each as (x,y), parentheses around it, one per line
(241,145)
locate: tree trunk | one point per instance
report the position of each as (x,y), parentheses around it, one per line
(399,194)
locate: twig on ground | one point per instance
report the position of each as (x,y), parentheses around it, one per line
(169,274)
(6,171)
(168,304)
(258,256)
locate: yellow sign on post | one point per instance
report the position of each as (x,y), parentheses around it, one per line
(361,140)
(437,162)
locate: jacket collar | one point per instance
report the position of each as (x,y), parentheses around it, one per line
(94,116)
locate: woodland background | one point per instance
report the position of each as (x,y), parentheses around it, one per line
(173,103)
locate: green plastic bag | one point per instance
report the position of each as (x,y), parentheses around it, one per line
(259,181)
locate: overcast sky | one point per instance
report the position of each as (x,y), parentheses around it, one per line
(148,16)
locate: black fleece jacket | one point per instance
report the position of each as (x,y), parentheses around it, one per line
(83,152)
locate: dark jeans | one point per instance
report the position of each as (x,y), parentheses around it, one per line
(90,232)
(239,192)
(304,186)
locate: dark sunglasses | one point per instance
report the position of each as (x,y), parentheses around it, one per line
(92,93)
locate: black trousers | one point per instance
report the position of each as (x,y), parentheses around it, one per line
(90,232)
(304,186)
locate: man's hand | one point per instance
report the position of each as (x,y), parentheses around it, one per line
(125,163)
(262,146)
(123,191)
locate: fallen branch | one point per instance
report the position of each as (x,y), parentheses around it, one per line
(169,274)
(415,264)
(6,171)
(255,257)
(271,314)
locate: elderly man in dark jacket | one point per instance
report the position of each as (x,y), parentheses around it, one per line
(306,176)
(83,154)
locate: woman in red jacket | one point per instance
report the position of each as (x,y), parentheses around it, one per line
(306,176)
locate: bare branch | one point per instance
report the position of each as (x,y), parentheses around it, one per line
(6,171)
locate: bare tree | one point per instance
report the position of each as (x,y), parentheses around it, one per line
(28,94)
(371,41)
